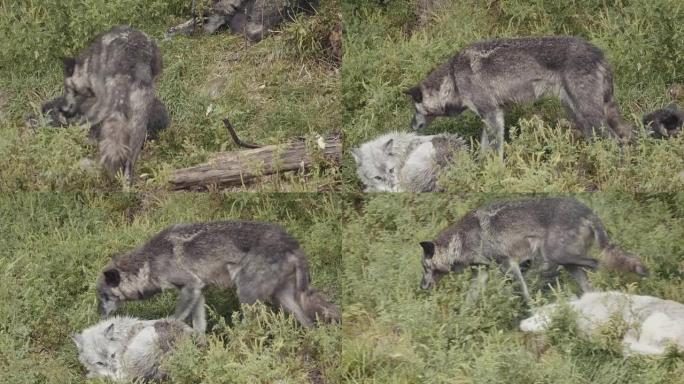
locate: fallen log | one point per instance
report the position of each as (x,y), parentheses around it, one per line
(238,168)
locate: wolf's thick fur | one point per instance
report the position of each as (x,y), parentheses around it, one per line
(126,348)
(405,162)
(111,84)
(486,75)
(56,116)
(260,260)
(252,18)
(653,323)
(550,232)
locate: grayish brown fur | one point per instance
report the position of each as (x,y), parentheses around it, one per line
(549,232)
(260,260)
(111,84)
(486,75)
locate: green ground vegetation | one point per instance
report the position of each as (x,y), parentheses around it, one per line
(284,87)
(54,246)
(390,45)
(393,332)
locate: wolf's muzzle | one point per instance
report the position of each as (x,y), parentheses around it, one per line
(418,122)
(425,283)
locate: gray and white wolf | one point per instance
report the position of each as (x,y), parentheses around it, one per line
(56,115)
(252,18)
(548,232)
(653,323)
(111,84)
(126,348)
(260,260)
(405,162)
(486,75)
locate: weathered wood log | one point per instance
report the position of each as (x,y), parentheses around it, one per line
(237,168)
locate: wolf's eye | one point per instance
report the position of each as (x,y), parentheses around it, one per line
(391,171)
(379,178)
(100,364)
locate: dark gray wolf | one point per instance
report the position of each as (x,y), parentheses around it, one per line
(126,348)
(549,232)
(486,75)
(56,115)
(252,18)
(652,323)
(405,162)
(664,123)
(260,260)
(111,84)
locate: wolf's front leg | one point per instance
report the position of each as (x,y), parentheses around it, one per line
(199,316)
(494,128)
(477,285)
(513,267)
(187,300)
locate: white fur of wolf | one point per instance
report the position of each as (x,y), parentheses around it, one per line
(486,75)
(549,232)
(260,260)
(126,348)
(112,84)
(653,323)
(404,162)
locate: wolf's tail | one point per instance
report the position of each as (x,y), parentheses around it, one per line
(612,256)
(113,146)
(618,127)
(311,301)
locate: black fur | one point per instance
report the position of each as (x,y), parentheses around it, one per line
(112,277)
(428,249)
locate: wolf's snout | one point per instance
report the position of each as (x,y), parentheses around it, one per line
(417,123)
(425,284)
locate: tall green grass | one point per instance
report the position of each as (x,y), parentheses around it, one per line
(55,245)
(284,87)
(396,333)
(386,52)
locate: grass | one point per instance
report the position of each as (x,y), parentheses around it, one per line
(387,50)
(395,333)
(55,245)
(283,87)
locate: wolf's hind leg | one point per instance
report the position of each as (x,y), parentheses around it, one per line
(580,276)
(287,300)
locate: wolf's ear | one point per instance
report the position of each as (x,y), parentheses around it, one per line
(428,249)
(112,277)
(387,147)
(69,65)
(109,332)
(416,94)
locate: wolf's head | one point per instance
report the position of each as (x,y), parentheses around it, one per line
(109,294)
(435,96)
(436,263)
(77,90)
(377,165)
(97,349)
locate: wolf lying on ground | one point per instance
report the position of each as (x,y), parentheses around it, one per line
(252,18)
(549,232)
(111,84)
(405,162)
(56,116)
(260,260)
(653,323)
(126,348)
(486,75)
